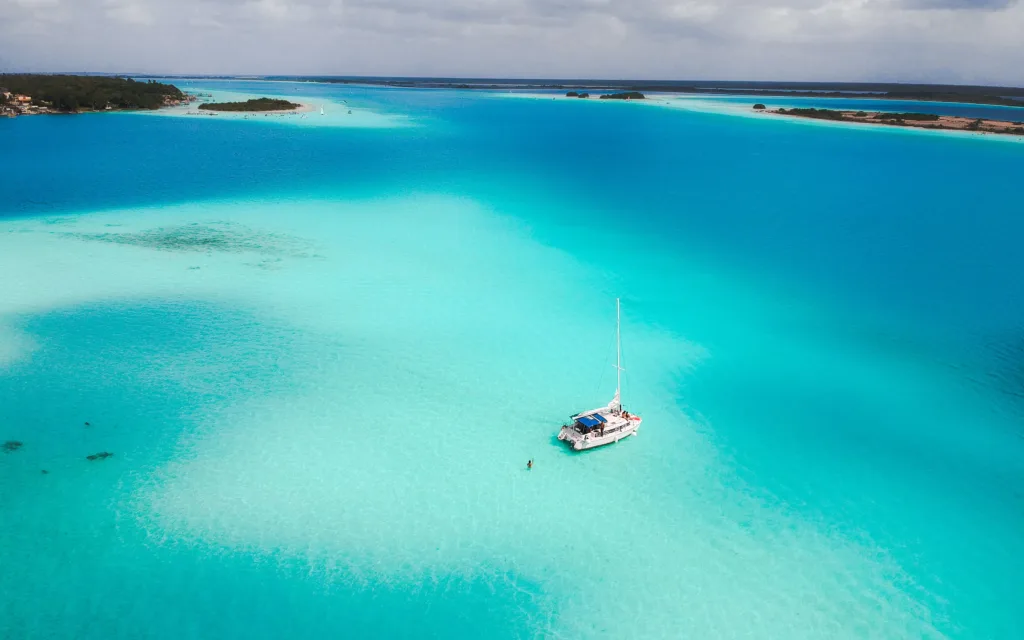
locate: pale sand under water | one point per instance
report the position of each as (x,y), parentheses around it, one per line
(387,457)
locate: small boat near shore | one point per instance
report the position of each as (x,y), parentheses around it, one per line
(608,424)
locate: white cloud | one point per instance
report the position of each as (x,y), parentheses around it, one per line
(130,13)
(929,40)
(280,10)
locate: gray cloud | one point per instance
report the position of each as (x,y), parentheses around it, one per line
(966,5)
(950,40)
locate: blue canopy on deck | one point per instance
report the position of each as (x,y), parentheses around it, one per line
(591,420)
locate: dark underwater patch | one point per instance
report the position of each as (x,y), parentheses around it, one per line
(11,446)
(225,237)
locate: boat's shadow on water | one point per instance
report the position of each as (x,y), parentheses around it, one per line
(558,444)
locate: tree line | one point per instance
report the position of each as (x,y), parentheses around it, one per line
(74,93)
(254,104)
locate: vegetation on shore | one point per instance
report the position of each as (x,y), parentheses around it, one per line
(629,95)
(820,114)
(625,95)
(924,117)
(920,120)
(255,104)
(831,114)
(70,94)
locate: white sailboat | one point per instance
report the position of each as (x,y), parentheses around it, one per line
(607,424)
(321,109)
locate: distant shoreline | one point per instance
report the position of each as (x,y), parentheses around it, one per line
(914,92)
(966,94)
(1002,129)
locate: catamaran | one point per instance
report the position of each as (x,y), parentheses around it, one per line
(607,424)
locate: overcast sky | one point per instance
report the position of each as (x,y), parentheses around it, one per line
(961,41)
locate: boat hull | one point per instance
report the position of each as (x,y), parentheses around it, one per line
(592,440)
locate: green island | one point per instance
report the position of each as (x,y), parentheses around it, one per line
(831,114)
(918,120)
(255,104)
(626,95)
(29,93)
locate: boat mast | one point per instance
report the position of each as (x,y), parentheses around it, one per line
(618,356)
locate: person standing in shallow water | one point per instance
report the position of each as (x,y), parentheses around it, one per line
(529,465)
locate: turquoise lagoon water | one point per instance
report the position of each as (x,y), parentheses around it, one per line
(321,351)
